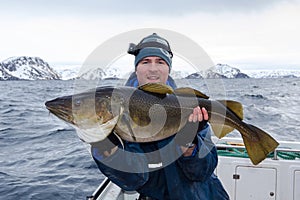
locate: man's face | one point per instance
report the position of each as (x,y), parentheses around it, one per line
(152,69)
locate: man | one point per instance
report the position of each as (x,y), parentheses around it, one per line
(188,177)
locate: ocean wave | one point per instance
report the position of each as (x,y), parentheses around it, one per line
(255,96)
(8,110)
(43,158)
(63,130)
(4,130)
(4,175)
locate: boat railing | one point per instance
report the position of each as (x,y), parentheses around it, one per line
(238,150)
(99,190)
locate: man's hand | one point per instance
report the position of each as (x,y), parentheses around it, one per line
(199,114)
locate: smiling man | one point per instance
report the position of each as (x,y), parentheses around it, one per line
(175,167)
(152,69)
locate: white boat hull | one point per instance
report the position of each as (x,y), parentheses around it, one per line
(273,179)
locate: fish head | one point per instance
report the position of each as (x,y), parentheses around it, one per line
(93,114)
(61,107)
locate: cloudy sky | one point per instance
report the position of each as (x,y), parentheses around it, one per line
(257,34)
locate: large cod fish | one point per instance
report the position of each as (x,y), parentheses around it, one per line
(153,112)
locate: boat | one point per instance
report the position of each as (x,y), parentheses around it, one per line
(275,178)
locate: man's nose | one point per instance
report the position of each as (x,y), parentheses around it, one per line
(153,66)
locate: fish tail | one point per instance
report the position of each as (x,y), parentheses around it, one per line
(258,143)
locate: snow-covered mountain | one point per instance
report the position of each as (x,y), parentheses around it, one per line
(229,72)
(67,72)
(34,68)
(99,73)
(273,73)
(75,72)
(26,68)
(219,71)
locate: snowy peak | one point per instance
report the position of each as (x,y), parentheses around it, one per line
(227,71)
(34,68)
(274,73)
(219,71)
(26,68)
(99,73)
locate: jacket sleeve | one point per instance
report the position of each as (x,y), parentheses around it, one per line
(202,165)
(127,167)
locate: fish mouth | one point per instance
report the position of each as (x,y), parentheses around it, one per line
(60,112)
(62,115)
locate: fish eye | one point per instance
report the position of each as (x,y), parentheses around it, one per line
(77,102)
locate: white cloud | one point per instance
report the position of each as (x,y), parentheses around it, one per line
(267,34)
(270,37)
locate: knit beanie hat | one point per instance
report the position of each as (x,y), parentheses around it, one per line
(152,45)
(153,51)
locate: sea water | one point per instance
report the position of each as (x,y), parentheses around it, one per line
(41,157)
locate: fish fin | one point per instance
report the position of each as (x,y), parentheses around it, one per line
(258,144)
(234,106)
(158,88)
(187,91)
(220,130)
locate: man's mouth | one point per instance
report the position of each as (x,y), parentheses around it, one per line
(153,77)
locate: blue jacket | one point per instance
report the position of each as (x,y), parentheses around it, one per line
(177,177)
